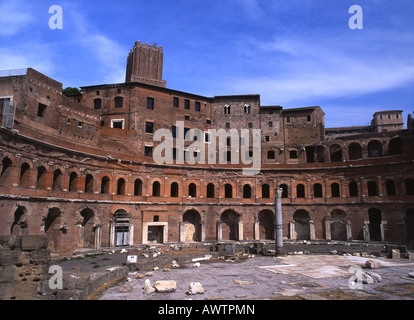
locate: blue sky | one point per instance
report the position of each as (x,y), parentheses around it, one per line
(293,53)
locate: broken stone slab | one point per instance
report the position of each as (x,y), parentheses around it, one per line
(366,278)
(375,276)
(333,252)
(206,257)
(166,269)
(372,264)
(165,286)
(196,288)
(411,274)
(196,265)
(395,254)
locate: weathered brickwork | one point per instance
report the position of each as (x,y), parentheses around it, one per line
(80,169)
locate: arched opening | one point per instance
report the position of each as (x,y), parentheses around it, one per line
(265,191)
(409,186)
(73,182)
(409,226)
(19,226)
(266,225)
(284,188)
(121,228)
(105,185)
(374,149)
(335,190)
(5,170)
(317,190)
(320,154)
(138,187)
(87,230)
(230,224)
(390,187)
(301,219)
(228,191)
(335,153)
(192,190)
(300,191)
(247,191)
(24,180)
(174,190)
(52,228)
(156,189)
(88,183)
(375,224)
(120,190)
(57,180)
(353,189)
(192,225)
(354,151)
(210,191)
(338,225)
(372,189)
(395,147)
(41,178)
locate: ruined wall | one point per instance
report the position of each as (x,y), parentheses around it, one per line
(24,263)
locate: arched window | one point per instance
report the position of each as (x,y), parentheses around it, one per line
(390,187)
(156,189)
(265,191)
(24,175)
(300,191)
(174,190)
(335,190)
(409,186)
(284,190)
(247,191)
(120,190)
(374,149)
(354,151)
(41,178)
(336,153)
(246,109)
(105,185)
(372,188)
(57,180)
(73,182)
(395,147)
(228,191)
(353,189)
(192,190)
(317,190)
(88,183)
(210,191)
(138,187)
(5,171)
(226,109)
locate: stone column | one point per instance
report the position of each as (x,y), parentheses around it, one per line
(312,230)
(182,232)
(219,230)
(278,221)
(203,231)
(348,231)
(256,230)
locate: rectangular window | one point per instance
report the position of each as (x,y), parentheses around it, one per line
(270,124)
(197,106)
(117,124)
(227,125)
(150,103)
(207,137)
(267,138)
(208,121)
(186,117)
(187,104)
(148,151)
(174,131)
(308,117)
(119,101)
(97,104)
(176,102)
(149,127)
(250,125)
(288,119)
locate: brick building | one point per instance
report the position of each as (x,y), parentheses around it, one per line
(81,170)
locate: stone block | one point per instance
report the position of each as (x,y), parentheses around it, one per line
(165,286)
(372,264)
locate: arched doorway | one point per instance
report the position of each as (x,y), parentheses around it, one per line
(375,224)
(19,226)
(86,230)
(192,226)
(229,225)
(301,220)
(266,225)
(338,225)
(52,227)
(121,228)
(409,225)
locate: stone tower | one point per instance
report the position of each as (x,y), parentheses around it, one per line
(144,64)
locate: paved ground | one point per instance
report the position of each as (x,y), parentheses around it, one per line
(308,276)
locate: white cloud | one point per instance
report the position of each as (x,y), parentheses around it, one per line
(15,16)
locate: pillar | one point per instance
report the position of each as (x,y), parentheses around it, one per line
(278,221)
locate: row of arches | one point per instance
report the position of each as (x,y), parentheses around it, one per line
(354,151)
